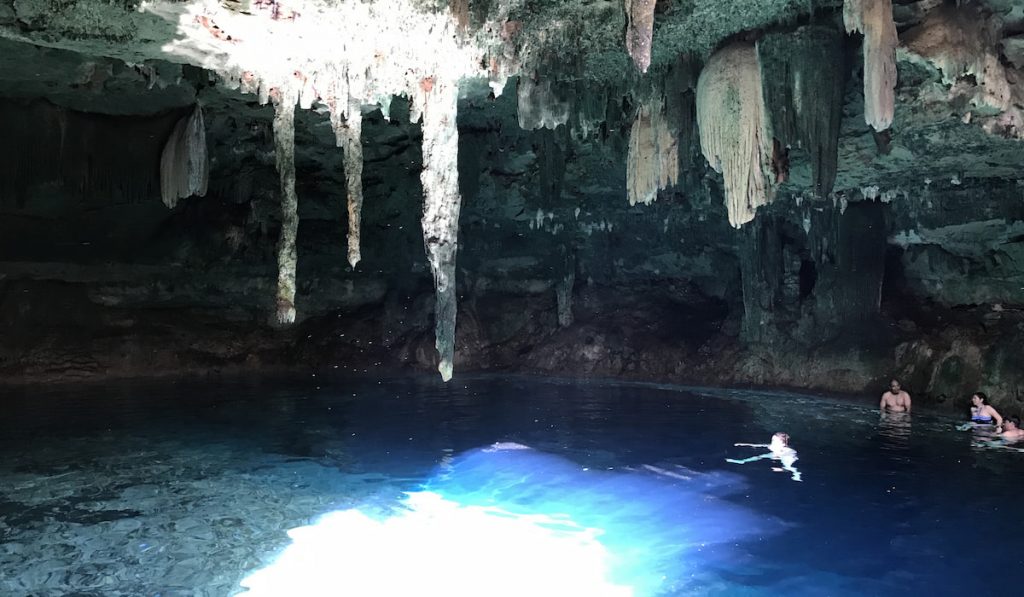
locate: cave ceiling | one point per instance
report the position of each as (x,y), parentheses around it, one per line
(131,57)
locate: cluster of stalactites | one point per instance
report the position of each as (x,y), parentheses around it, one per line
(652,162)
(961,41)
(184,163)
(348,54)
(539,104)
(735,133)
(803,81)
(442,203)
(640,31)
(874,19)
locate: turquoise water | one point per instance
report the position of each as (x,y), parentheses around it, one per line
(192,489)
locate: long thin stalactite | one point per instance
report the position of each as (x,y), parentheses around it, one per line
(287,257)
(442,202)
(874,19)
(640,31)
(348,130)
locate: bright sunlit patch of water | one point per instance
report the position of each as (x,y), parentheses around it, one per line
(509,520)
(438,546)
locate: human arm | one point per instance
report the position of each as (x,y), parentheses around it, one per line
(881,405)
(907,402)
(996,416)
(751,459)
(752,445)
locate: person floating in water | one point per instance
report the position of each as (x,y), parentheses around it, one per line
(895,400)
(779,450)
(1011,430)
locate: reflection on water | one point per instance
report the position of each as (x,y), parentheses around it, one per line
(191,488)
(894,428)
(490,515)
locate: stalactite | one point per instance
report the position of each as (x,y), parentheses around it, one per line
(539,104)
(440,180)
(640,31)
(284,147)
(874,19)
(353,149)
(735,135)
(652,162)
(184,164)
(348,127)
(803,79)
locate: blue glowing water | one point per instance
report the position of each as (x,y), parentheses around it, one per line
(175,488)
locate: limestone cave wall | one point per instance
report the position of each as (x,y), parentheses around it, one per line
(594,237)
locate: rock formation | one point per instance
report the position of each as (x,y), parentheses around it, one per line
(735,134)
(640,31)
(652,162)
(287,257)
(874,19)
(820,221)
(441,206)
(184,164)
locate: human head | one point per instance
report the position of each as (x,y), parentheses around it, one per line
(1010,423)
(979,398)
(894,385)
(782,438)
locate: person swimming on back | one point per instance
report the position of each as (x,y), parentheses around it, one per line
(1011,430)
(895,400)
(779,450)
(983,413)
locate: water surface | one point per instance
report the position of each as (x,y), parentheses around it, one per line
(188,488)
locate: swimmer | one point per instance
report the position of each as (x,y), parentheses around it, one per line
(983,413)
(1011,430)
(779,450)
(895,400)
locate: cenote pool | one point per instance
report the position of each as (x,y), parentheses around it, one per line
(491,486)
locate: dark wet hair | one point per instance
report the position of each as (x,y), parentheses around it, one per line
(1014,420)
(982,396)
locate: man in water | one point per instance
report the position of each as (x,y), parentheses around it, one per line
(1011,430)
(778,450)
(895,400)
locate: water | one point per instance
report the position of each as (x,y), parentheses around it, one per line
(187,489)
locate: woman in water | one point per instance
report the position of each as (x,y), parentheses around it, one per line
(777,450)
(983,413)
